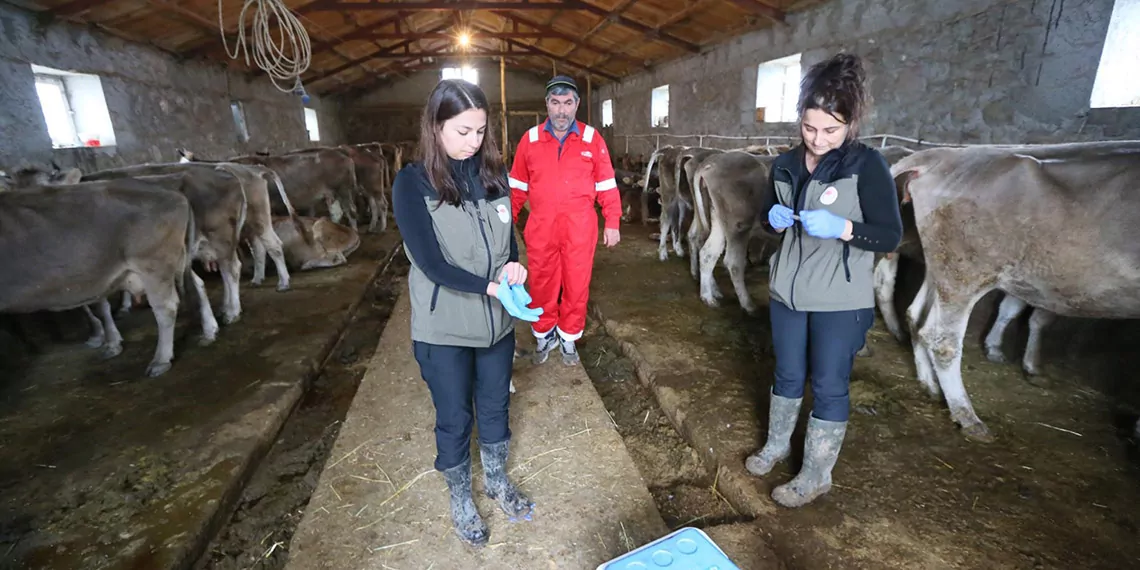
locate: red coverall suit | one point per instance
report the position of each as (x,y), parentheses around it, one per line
(562,182)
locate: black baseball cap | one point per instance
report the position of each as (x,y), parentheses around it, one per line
(557,80)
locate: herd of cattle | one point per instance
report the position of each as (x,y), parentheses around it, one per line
(71,240)
(1048,225)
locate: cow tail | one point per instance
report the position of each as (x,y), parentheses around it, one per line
(188,261)
(702,216)
(275,178)
(904,172)
(649,169)
(677,178)
(232,169)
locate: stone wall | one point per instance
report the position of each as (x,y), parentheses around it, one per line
(156,102)
(392,112)
(967,71)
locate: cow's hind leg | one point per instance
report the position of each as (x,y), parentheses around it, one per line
(710,254)
(1008,310)
(666,222)
(1037,322)
(272,245)
(916,315)
(97,333)
(258,250)
(886,271)
(205,312)
(113,341)
(163,301)
(736,260)
(697,239)
(126,305)
(943,333)
(374,214)
(678,247)
(231,277)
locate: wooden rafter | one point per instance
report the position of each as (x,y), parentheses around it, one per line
(563,36)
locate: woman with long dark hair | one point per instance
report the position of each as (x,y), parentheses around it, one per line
(466,288)
(834,202)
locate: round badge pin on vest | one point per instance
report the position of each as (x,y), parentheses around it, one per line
(504,215)
(829,196)
(685,549)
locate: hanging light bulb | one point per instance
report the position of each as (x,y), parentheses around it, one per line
(464,39)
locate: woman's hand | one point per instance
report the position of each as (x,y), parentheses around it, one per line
(515,273)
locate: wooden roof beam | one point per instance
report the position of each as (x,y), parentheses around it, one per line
(601,25)
(364,59)
(761,8)
(638,26)
(434,6)
(581,40)
(441,5)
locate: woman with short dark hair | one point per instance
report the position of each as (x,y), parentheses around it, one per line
(841,194)
(453,208)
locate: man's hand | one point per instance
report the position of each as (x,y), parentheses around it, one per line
(611,237)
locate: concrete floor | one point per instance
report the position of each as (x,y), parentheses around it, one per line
(380,503)
(102,468)
(910,491)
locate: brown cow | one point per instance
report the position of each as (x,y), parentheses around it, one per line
(75,244)
(219,204)
(672,207)
(258,229)
(373,177)
(691,160)
(329,246)
(310,176)
(735,184)
(886,271)
(985,216)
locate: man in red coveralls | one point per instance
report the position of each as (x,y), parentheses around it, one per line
(563,167)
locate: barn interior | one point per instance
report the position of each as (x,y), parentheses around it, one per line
(301,437)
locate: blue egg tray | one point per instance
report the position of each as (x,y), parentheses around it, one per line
(685,549)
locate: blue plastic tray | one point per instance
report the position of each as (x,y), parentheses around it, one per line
(685,549)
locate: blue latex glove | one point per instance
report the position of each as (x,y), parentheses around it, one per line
(514,305)
(520,294)
(823,224)
(780,216)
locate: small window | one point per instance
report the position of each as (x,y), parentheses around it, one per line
(74,109)
(659,107)
(466,73)
(311,124)
(778,90)
(1117,82)
(239,120)
(607,112)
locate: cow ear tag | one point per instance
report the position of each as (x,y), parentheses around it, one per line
(829,196)
(504,215)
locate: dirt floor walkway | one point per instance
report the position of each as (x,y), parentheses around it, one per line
(103,468)
(381,504)
(910,491)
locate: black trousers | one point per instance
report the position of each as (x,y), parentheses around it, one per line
(821,345)
(467,384)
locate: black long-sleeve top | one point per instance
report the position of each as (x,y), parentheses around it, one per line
(415,222)
(881,228)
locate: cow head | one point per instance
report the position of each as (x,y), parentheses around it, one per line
(185,155)
(28,176)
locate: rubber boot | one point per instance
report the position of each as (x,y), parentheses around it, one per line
(468,524)
(498,486)
(545,345)
(821,450)
(782,415)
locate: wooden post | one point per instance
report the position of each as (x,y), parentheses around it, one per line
(503,100)
(589,101)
